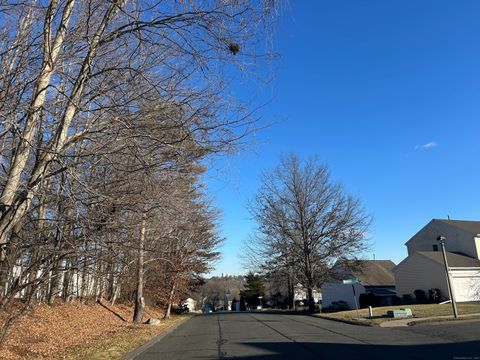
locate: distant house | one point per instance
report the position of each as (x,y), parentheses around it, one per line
(424,269)
(374,276)
(300,294)
(191,304)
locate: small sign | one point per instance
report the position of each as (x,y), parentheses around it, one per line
(351,281)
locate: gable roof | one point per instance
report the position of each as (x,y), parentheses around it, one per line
(470,226)
(466,225)
(454,260)
(373,272)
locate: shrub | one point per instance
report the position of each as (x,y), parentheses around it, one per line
(434,295)
(367,299)
(407,299)
(234,304)
(397,300)
(243,306)
(420,296)
(339,305)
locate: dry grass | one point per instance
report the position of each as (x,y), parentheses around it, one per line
(78,331)
(419,311)
(121,343)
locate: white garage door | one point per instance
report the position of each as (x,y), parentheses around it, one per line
(466,284)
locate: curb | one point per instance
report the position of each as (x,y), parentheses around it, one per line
(397,323)
(351,322)
(133,354)
(473,317)
(433,319)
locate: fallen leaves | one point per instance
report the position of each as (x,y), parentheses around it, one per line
(48,331)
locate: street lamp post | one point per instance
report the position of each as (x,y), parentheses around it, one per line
(442,240)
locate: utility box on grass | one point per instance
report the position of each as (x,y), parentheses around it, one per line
(402,313)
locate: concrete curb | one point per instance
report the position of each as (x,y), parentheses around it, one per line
(345,321)
(404,322)
(133,354)
(415,321)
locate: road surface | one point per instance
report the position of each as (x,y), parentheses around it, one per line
(281,336)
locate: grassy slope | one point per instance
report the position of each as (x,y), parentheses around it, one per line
(121,343)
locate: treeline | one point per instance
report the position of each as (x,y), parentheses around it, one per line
(109,112)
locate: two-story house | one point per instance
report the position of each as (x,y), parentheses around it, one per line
(424,267)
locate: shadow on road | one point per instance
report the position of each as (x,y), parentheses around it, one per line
(307,350)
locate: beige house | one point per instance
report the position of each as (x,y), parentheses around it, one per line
(424,268)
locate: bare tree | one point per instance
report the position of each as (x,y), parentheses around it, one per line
(107,109)
(74,67)
(307,221)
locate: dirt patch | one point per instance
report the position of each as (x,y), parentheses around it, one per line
(47,331)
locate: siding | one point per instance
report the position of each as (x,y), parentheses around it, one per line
(477,247)
(419,272)
(338,291)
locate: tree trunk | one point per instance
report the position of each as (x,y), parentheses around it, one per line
(310,283)
(100,276)
(32,274)
(35,252)
(139,300)
(53,291)
(66,280)
(311,301)
(111,282)
(85,275)
(116,292)
(291,293)
(8,284)
(4,269)
(170,302)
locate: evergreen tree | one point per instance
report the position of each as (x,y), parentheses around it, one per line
(243,306)
(254,287)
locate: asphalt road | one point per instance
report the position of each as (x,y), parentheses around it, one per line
(278,336)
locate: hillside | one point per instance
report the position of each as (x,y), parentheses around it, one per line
(70,330)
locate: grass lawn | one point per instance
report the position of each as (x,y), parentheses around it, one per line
(419,311)
(120,343)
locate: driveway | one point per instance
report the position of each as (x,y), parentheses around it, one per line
(278,336)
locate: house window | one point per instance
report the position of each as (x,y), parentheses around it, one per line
(435,247)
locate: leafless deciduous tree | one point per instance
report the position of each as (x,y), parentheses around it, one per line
(71,66)
(305,223)
(107,110)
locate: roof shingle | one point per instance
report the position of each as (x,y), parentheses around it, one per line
(372,272)
(467,225)
(454,260)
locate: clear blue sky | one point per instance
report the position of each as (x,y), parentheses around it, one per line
(387,93)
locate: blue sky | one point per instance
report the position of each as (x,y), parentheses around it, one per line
(387,93)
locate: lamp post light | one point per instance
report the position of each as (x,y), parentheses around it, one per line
(442,240)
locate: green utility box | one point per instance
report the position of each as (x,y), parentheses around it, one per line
(408,311)
(402,313)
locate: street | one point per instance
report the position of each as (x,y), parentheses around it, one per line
(279,336)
